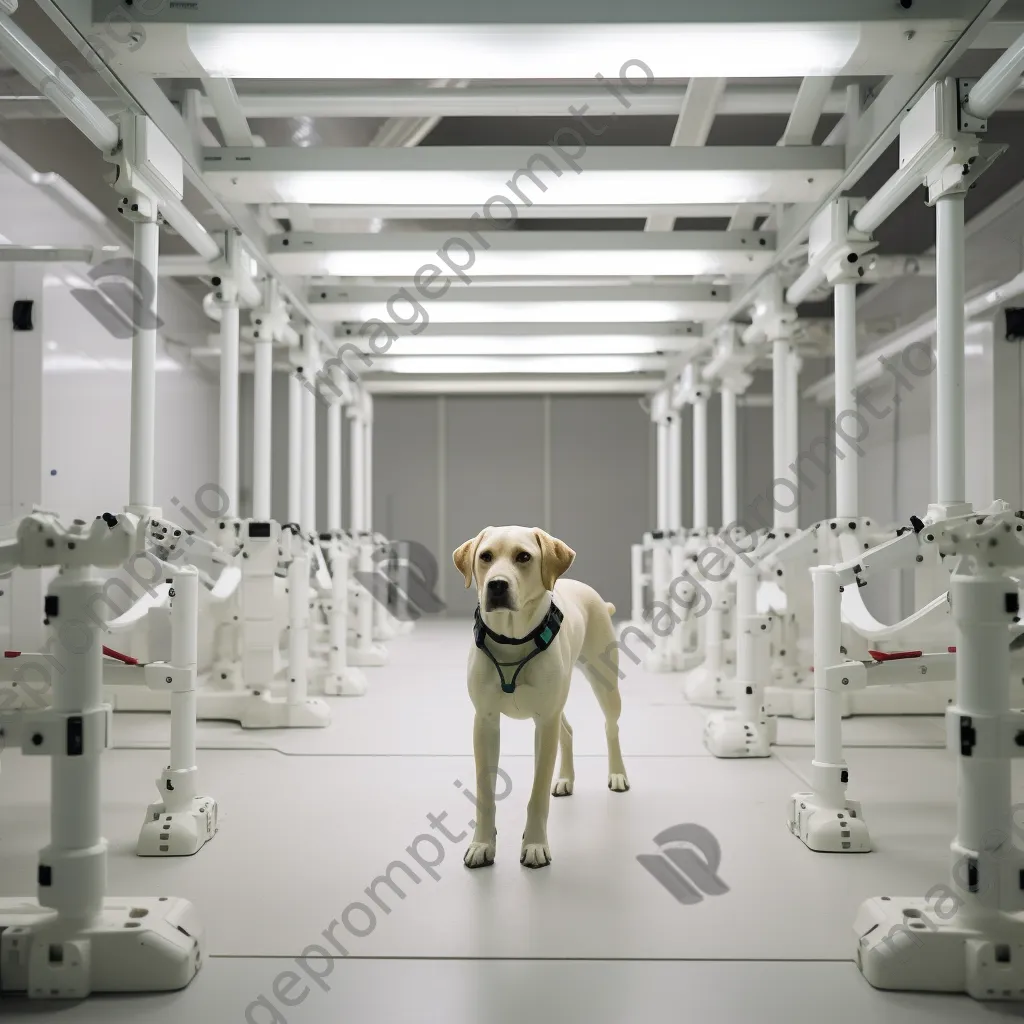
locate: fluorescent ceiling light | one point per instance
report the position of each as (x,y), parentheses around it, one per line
(497,180)
(482,52)
(538,364)
(532,254)
(408,312)
(536,345)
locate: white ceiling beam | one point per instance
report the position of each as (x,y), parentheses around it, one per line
(415,101)
(230,117)
(808,107)
(526,253)
(504,384)
(481,304)
(324,212)
(692,128)
(500,178)
(864,141)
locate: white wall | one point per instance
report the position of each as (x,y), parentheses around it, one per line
(65,392)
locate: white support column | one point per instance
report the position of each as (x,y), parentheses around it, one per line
(825,820)
(847,464)
(675,470)
(312,360)
(263,383)
(700,462)
(949,313)
(334,488)
(784,484)
(368,464)
(296,393)
(662,473)
(228,432)
(182,821)
(357,448)
(730,477)
(146,249)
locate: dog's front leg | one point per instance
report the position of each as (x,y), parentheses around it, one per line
(486,748)
(536,852)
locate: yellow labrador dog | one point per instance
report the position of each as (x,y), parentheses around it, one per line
(529,632)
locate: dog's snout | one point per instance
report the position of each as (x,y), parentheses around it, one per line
(497,588)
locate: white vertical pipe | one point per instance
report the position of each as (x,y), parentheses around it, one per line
(77,852)
(296,390)
(146,250)
(847,497)
(334,421)
(662,474)
(298,623)
(730,477)
(700,463)
(310,400)
(228,432)
(981,610)
(785,512)
(949,314)
(793,420)
(675,470)
(358,473)
(828,708)
(368,471)
(263,403)
(184,653)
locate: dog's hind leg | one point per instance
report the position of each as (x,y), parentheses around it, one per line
(604,682)
(566,772)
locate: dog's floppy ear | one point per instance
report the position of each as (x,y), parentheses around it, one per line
(555,557)
(464,556)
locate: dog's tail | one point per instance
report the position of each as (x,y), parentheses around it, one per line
(610,607)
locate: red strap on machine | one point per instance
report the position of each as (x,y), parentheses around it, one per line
(118,656)
(894,655)
(12,654)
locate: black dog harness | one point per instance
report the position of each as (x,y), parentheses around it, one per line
(542,637)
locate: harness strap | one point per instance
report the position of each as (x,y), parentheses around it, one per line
(542,637)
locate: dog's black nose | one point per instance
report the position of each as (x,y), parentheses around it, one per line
(497,588)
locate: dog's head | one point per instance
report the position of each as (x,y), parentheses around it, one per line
(513,566)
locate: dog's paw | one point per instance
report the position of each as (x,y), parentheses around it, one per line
(479,855)
(535,855)
(563,787)
(618,783)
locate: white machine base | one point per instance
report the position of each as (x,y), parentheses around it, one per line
(137,945)
(248,709)
(179,833)
(904,945)
(898,699)
(727,735)
(826,830)
(349,683)
(708,689)
(373,656)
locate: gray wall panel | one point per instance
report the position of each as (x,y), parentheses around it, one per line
(494,475)
(599,478)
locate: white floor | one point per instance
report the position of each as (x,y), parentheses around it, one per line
(311,818)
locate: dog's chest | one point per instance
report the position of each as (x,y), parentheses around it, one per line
(539,687)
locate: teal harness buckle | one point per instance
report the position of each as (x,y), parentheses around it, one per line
(541,638)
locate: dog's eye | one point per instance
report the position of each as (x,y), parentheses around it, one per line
(486,556)
(523,556)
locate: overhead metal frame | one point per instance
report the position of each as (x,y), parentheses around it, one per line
(472,255)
